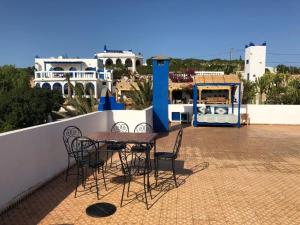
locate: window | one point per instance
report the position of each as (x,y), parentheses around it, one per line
(248,76)
(103,83)
(247,61)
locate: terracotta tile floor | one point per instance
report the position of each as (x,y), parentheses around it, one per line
(227,176)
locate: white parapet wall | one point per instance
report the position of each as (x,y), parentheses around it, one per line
(273,114)
(130,117)
(259,114)
(30,157)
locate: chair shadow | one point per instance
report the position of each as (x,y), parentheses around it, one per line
(165,183)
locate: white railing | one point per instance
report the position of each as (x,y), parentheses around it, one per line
(85,75)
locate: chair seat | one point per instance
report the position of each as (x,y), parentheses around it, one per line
(96,163)
(116,146)
(164,155)
(139,148)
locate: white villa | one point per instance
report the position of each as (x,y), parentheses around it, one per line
(51,74)
(90,74)
(117,57)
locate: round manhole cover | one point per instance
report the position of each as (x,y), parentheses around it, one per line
(102,209)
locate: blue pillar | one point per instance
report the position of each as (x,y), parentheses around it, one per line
(195,101)
(239,106)
(160,93)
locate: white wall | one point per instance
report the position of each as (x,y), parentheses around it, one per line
(273,114)
(29,157)
(259,114)
(257,61)
(131,117)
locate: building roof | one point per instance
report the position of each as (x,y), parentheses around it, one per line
(217,79)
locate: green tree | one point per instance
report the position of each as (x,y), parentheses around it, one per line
(249,91)
(119,71)
(262,84)
(292,95)
(142,94)
(20,105)
(80,104)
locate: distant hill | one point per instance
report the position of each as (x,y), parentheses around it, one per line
(182,65)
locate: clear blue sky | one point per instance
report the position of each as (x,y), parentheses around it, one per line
(178,28)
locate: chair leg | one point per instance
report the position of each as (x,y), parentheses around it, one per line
(156,170)
(174,174)
(67,172)
(128,186)
(104,178)
(77,181)
(124,183)
(145,188)
(111,156)
(96,179)
(106,160)
(83,177)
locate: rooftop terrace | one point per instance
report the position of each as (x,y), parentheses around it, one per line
(249,175)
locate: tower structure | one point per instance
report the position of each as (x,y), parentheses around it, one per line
(255,61)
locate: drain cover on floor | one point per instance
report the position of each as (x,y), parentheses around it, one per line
(101,209)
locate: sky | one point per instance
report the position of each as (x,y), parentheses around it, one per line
(177,28)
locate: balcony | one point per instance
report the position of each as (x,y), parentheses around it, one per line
(225,175)
(74,75)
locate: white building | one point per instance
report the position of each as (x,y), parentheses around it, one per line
(117,57)
(51,74)
(255,61)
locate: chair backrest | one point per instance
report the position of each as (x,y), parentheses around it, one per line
(82,146)
(120,127)
(69,134)
(143,128)
(126,159)
(177,144)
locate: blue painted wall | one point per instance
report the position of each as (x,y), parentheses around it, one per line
(160,94)
(109,103)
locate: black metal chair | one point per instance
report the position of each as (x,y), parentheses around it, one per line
(86,155)
(140,149)
(129,171)
(119,127)
(169,156)
(69,134)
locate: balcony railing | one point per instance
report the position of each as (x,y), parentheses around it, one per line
(74,75)
(63,74)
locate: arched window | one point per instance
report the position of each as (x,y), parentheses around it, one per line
(72,68)
(128,63)
(46,86)
(58,69)
(66,89)
(118,62)
(109,62)
(90,69)
(89,89)
(57,87)
(79,89)
(137,63)
(37,85)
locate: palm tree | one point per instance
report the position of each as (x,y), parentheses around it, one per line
(70,87)
(81,104)
(142,94)
(262,84)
